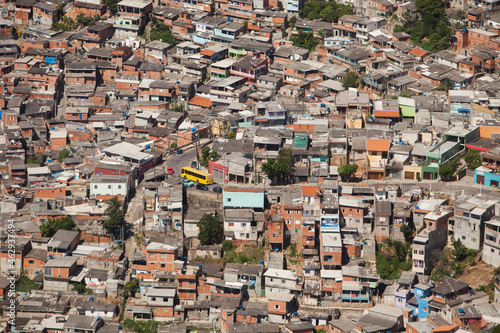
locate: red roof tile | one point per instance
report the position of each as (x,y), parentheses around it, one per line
(386,114)
(378,145)
(201,101)
(310,190)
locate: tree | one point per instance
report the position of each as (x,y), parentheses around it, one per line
(347,171)
(38,159)
(227,245)
(232,135)
(350,80)
(292,21)
(132,287)
(459,250)
(280,167)
(65,153)
(446,85)
(81,288)
(210,230)
(446,171)
(173,145)
(305,40)
(112,5)
(329,11)
(429,27)
(160,31)
(87,20)
(407,233)
(178,108)
(472,159)
(50,227)
(208,155)
(65,24)
(116,217)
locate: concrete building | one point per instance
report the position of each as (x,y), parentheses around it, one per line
(470,216)
(105,187)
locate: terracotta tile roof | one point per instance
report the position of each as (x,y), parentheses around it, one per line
(201,101)
(377,145)
(445,328)
(310,190)
(386,114)
(418,52)
(207,52)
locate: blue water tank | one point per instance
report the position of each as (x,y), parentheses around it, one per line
(417,207)
(124,114)
(91,298)
(322,105)
(52,128)
(261,262)
(148,146)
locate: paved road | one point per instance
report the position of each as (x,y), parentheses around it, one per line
(182,160)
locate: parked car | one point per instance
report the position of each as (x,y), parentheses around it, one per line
(217,189)
(201,187)
(179,151)
(188,183)
(170,170)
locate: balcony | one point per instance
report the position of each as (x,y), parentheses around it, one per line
(355,298)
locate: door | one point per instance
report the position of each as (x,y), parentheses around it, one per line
(409,175)
(480,180)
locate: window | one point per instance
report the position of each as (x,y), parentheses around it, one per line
(106,264)
(228,199)
(463,237)
(153,299)
(276,306)
(31,261)
(95,187)
(162,265)
(119,187)
(109,187)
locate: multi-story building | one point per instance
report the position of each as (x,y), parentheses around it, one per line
(160,257)
(131,17)
(470,216)
(491,242)
(250,276)
(430,237)
(282,281)
(58,272)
